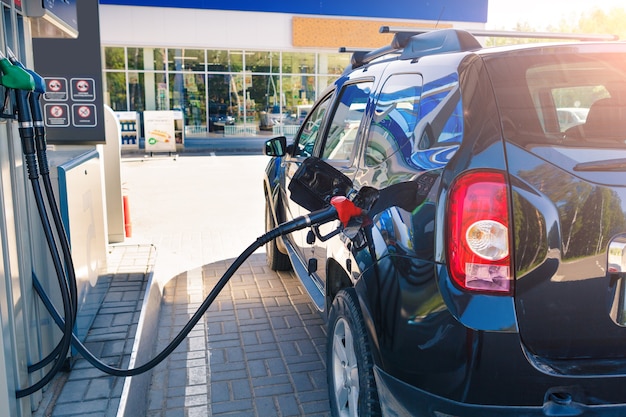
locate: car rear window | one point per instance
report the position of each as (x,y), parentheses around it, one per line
(570,99)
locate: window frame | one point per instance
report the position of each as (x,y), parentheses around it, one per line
(375,102)
(331,118)
(326,99)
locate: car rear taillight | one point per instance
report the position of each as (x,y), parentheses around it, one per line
(478,233)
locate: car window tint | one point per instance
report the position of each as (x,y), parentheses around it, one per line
(346,120)
(395,117)
(567,99)
(310,130)
(570,109)
(441,113)
(423,123)
(440,128)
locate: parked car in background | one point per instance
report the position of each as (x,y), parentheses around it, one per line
(486,278)
(271,117)
(219,116)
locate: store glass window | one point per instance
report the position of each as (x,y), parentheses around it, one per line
(263,99)
(264,91)
(188,94)
(235,61)
(333,63)
(297,91)
(265,62)
(324,81)
(267,95)
(308,93)
(217,61)
(154,59)
(135,58)
(291,92)
(298,62)
(185,59)
(156,91)
(224,61)
(136,91)
(238,90)
(116,91)
(220,87)
(223,101)
(114,58)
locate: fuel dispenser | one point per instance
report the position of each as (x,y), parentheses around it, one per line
(24,86)
(31,345)
(31,356)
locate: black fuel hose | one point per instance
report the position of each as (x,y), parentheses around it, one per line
(26,133)
(44,171)
(314,218)
(31,123)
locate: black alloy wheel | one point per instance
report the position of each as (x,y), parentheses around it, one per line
(351,383)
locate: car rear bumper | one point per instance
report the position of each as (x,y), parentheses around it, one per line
(400,399)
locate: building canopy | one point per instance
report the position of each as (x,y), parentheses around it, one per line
(439,10)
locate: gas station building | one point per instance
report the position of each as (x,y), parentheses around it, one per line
(228,66)
(231,64)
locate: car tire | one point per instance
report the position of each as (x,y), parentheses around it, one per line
(276,260)
(351,383)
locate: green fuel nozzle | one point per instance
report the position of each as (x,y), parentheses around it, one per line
(35,113)
(40,84)
(15,77)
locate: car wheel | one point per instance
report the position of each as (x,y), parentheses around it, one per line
(351,384)
(276,260)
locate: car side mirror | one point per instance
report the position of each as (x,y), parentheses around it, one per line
(276,146)
(316,182)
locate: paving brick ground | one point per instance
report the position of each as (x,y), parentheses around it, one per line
(259,350)
(86,391)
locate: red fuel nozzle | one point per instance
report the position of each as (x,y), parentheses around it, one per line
(346,209)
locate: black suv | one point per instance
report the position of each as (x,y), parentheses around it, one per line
(488,277)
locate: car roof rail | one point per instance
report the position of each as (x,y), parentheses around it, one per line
(345,49)
(508,34)
(416,43)
(438,41)
(363,56)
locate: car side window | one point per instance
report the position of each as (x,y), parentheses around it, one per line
(441,113)
(423,122)
(395,117)
(346,120)
(441,126)
(311,129)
